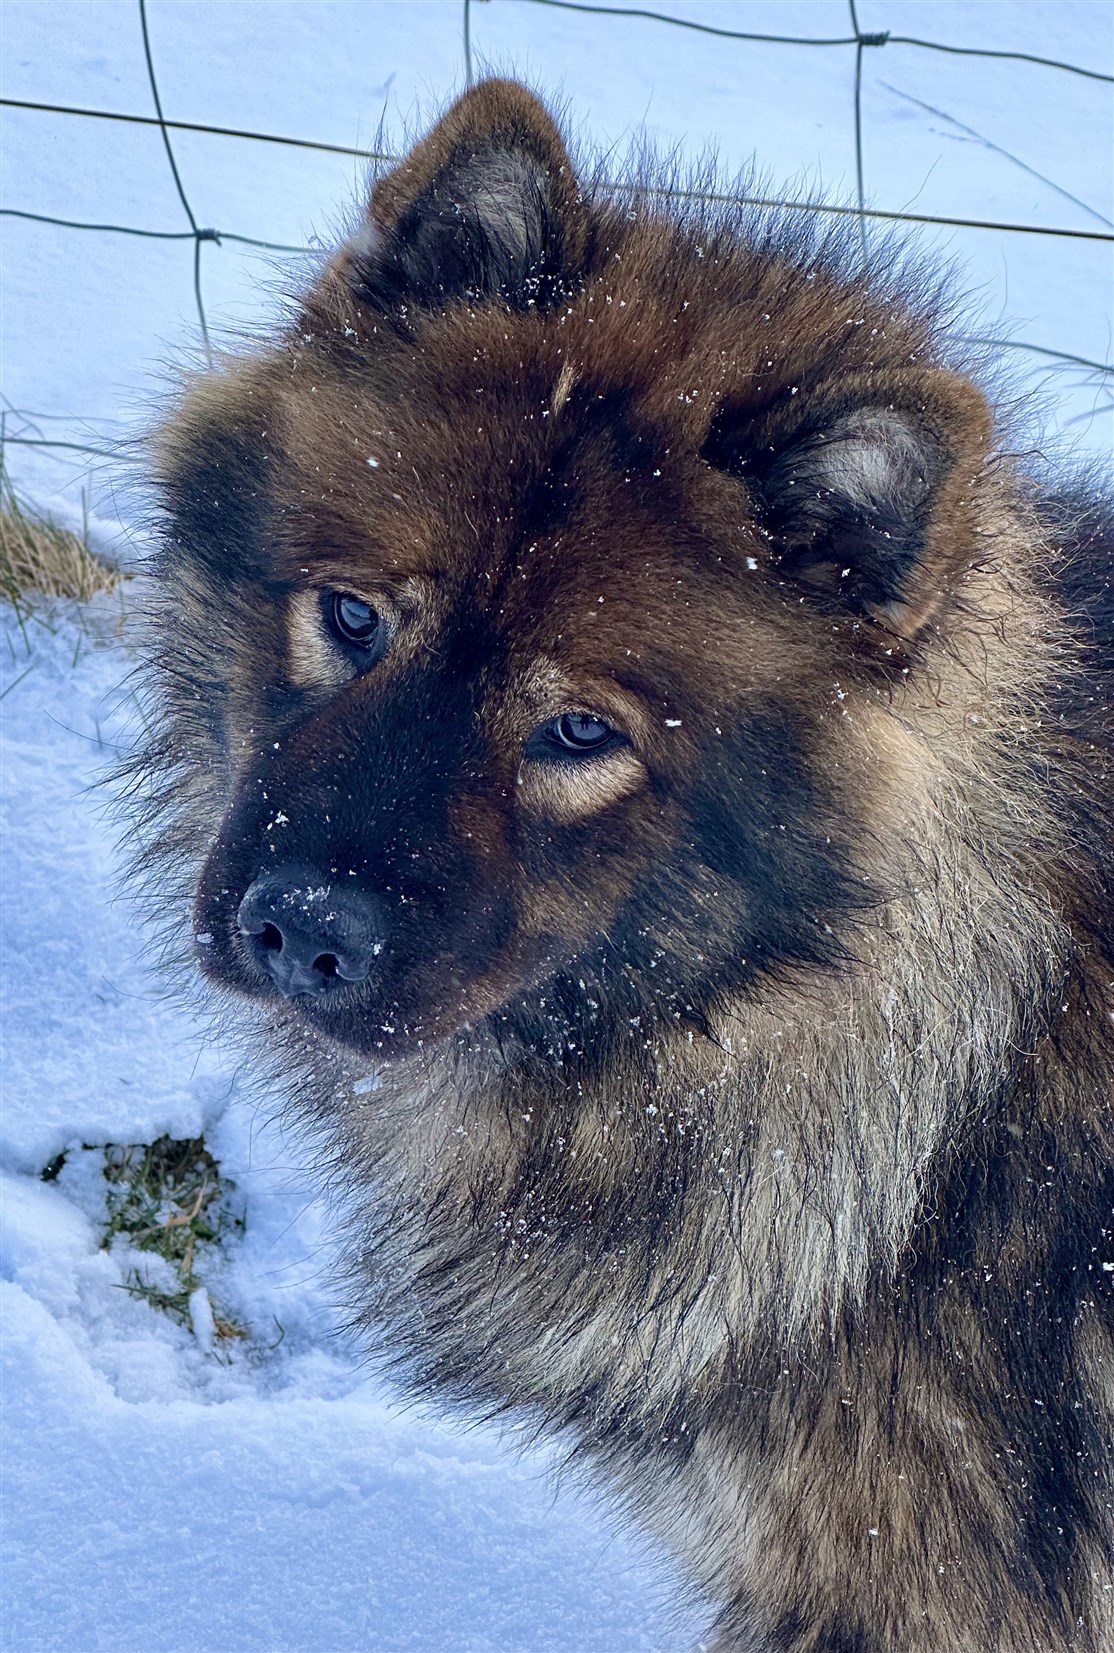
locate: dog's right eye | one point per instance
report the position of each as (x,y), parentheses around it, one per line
(575,734)
(353,621)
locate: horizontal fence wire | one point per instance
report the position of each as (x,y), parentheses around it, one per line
(882,37)
(859,40)
(820,207)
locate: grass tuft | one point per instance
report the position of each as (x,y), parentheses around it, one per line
(168,1197)
(37,556)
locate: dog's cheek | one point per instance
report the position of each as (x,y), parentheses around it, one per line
(576,880)
(226,872)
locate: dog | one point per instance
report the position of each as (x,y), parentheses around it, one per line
(639,751)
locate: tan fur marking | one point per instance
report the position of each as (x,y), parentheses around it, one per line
(568,792)
(566,379)
(312,661)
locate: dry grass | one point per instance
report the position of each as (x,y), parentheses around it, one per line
(37,557)
(170,1199)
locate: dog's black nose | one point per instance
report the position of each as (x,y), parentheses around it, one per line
(310,930)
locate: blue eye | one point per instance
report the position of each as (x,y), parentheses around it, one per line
(574,734)
(352,620)
(581,732)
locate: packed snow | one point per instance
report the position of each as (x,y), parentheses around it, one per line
(166,1488)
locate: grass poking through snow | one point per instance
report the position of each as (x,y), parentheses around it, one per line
(169,1198)
(39,557)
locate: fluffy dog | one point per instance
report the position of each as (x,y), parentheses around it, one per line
(643,753)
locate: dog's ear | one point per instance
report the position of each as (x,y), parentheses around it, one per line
(485,206)
(868,503)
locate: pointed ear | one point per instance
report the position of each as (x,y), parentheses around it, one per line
(486,206)
(868,504)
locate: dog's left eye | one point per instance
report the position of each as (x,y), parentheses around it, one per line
(572,734)
(352,620)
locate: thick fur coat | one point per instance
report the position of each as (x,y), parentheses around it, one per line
(641,752)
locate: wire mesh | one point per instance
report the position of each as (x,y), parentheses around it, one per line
(856,42)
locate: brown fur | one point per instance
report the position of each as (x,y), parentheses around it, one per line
(743,1091)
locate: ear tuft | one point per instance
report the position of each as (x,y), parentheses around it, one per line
(848,504)
(486,206)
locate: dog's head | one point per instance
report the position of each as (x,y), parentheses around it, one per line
(534,604)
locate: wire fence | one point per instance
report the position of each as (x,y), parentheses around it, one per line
(856,43)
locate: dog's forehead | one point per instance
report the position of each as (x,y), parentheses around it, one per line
(510,457)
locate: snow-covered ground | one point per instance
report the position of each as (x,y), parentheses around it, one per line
(157,1496)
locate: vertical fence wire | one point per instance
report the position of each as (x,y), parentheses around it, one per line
(860,188)
(199,235)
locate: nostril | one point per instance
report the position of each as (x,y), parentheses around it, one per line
(327,964)
(270,937)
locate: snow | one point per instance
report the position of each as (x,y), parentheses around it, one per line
(162,1490)
(90,1040)
(292,1523)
